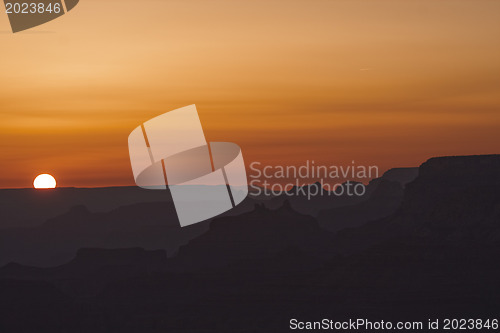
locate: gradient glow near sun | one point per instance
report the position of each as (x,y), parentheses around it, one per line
(44,181)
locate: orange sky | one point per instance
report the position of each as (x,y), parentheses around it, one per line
(390,83)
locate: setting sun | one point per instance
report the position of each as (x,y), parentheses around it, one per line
(44,181)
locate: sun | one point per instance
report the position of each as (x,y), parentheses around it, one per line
(44,181)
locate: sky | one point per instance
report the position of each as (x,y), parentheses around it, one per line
(378,82)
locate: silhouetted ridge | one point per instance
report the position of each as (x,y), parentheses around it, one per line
(294,189)
(483,168)
(383,201)
(434,256)
(29,207)
(453,200)
(151,225)
(287,210)
(383,196)
(453,183)
(401,175)
(256,234)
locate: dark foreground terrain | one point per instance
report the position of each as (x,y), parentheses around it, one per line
(412,250)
